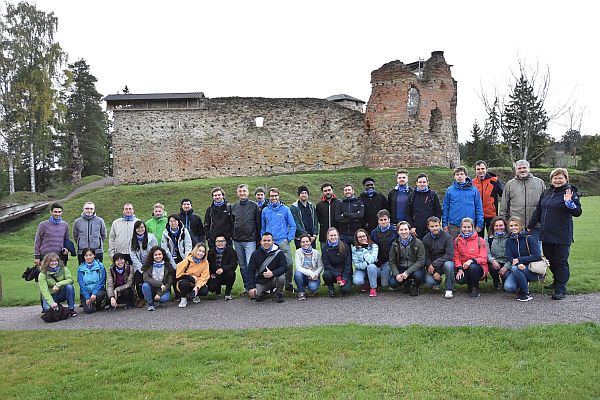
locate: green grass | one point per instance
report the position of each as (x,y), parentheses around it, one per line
(16,248)
(337,362)
(49,195)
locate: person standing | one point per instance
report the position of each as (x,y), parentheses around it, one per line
(462,200)
(279,221)
(521,196)
(326,212)
(305,217)
(490,188)
(51,236)
(423,203)
(259,195)
(217,219)
(89,230)
(349,214)
(158,223)
(121,232)
(398,198)
(191,222)
(373,202)
(245,215)
(554,212)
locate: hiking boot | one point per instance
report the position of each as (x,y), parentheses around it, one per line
(414,289)
(475,293)
(301,296)
(72,313)
(182,302)
(373,292)
(448,294)
(524,297)
(196,299)
(558,296)
(151,308)
(279,297)
(140,303)
(331,291)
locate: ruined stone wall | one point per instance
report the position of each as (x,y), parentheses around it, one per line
(428,136)
(223,139)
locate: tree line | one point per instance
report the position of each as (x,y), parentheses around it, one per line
(52,126)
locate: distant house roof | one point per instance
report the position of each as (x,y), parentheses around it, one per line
(340,97)
(154,96)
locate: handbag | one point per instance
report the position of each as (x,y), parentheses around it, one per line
(55,315)
(537,267)
(31,273)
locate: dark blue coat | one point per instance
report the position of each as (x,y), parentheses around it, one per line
(524,248)
(555,218)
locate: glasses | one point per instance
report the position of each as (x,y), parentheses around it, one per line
(361,236)
(221,241)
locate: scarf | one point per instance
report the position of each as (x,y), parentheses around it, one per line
(260,203)
(276,204)
(333,244)
(434,235)
(405,242)
(499,233)
(158,264)
(466,235)
(307,251)
(53,270)
(403,188)
(55,221)
(196,260)
(220,251)
(140,238)
(119,270)
(174,233)
(219,204)
(382,229)
(370,192)
(425,190)
(89,265)
(461,185)
(128,217)
(270,249)
(514,235)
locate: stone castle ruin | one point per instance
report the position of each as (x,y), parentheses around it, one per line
(410,121)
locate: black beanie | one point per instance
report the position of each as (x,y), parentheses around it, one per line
(302,189)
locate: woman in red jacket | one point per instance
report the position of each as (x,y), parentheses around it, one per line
(470,257)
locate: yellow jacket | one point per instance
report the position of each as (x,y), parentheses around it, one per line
(199,271)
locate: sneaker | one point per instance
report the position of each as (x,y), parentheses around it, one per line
(196,299)
(448,294)
(140,303)
(414,289)
(331,291)
(558,296)
(373,292)
(279,297)
(151,308)
(524,297)
(182,302)
(301,296)
(228,297)
(72,313)
(475,293)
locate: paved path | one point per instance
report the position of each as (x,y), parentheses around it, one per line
(393,309)
(108,181)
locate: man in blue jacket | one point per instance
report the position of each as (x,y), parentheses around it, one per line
(278,220)
(462,200)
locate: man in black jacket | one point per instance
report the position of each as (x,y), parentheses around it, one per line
(326,212)
(439,253)
(266,270)
(349,214)
(422,204)
(192,222)
(373,202)
(245,216)
(217,219)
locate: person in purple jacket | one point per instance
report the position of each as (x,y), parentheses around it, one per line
(51,236)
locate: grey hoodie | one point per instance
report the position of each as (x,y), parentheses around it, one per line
(89,232)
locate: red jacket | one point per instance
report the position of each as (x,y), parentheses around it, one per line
(472,248)
(490,187)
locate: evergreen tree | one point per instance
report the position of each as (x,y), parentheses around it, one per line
(590,152)
(473,148)
(524,123)
(86,120)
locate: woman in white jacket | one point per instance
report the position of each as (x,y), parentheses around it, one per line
(364,256)
(177,242)
(308,267)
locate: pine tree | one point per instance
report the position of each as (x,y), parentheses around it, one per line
(86,120)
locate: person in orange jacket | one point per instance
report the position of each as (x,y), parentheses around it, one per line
(490,187)
(192,275)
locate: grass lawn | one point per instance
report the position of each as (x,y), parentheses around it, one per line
(16,248)
(340,362)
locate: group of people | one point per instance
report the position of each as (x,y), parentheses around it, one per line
(401,241)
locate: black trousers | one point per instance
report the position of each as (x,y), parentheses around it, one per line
(96,305)
(186,285)
(126,297)
(227,278)
(138,280)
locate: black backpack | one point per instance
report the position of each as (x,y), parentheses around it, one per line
(55,315)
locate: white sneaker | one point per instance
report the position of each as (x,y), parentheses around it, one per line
(228,297)
(151,308)
(448,294)
(196,299)
(182,302)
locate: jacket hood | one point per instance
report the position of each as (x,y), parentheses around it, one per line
(96,265)
(468,184)
(275,247)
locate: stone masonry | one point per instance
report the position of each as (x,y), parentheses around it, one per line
(410,121)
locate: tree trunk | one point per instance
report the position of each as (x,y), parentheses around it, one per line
(31,166)
(11,172)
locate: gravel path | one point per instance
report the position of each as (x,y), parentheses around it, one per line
(108,181)
(393,309)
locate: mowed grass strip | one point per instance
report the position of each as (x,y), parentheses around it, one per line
(16,248)
(338,362)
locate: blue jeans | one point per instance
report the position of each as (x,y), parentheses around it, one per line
(285,247)
(471,276)
(244,250)
(517,279)
(372,272)
(418,276)
(448,272)
(66,293)
(149,290)
(558,255)
(302,281)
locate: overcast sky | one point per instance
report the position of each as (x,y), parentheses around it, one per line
(320,48)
